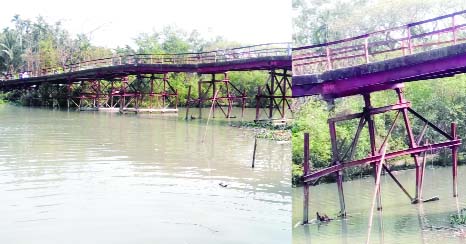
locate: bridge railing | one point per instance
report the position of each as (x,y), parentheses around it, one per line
(381,45)
(217,56)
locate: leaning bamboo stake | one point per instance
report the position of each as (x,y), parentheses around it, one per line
(374,198)
(210,113)
(424,162)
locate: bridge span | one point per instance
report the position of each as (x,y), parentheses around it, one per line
(382,60)
(106,84)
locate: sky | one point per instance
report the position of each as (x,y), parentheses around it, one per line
(116,23)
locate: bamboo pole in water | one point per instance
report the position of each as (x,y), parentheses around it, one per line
(423,169)
(374,198)
(210,113)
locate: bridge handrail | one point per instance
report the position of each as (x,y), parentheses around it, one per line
(195,58)
(361,49)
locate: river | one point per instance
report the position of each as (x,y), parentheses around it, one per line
(96,177)
(398,222)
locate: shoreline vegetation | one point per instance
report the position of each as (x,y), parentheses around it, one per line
(278,132)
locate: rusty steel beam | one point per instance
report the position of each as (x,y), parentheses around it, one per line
(371,159)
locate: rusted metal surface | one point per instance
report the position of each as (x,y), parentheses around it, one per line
(220,92)
(274,96)
(414,149)
(306,169)
(257,57)
(382,59)
(151,87)
(381,45)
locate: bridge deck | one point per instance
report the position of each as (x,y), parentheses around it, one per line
(437,63)
(383,59)
(109,72)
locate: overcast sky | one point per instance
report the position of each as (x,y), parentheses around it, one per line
(113,23)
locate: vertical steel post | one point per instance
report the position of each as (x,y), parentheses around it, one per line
(164,92)
(243,103)
(214,95)
(336,160)
(188,101)
(454,158)
(258,102)
(68,101)
(226,82)
(81,95)
(98,94)
(176,99)
(111,93)
(412,142)
(306,185)
(200,98)
(371,127)
(272,92)
(151,94)
(283,90)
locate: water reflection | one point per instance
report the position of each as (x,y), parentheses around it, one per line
(106,178)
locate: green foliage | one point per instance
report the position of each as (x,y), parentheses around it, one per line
(319,21)
(296,172)
(312,118)
(459,218)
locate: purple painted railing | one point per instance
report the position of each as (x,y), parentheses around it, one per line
(218,56)
(381,45)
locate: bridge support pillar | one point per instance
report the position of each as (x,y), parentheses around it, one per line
(149,93)
(336,161)
(91,94)
(306,169)
(343,153)
(454,158)
(69,87)
(222,93)
(274,96)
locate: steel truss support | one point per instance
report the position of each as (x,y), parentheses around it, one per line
(148,93)
(344,158)
(275,95)
(92,94)
(220,92)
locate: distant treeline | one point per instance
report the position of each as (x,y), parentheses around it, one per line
(33,45)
